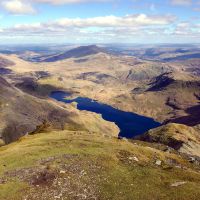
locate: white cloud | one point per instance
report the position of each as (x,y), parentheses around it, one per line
(197,9)
(181,2)
(26,6)
(76,31)
(107,28)
(103,28)
(18,7)
(95,23)
(113,21)
(186,30)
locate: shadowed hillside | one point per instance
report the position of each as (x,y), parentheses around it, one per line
(5,62)
(22,114)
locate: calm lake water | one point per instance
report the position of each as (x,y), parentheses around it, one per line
(130,124)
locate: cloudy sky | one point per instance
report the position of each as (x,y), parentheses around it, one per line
(99,21)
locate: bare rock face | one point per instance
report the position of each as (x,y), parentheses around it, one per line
(182,138)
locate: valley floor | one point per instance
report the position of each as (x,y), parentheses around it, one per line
(78,156)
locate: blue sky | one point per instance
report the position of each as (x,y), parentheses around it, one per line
(100,21)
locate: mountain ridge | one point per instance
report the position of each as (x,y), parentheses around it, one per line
(78,52)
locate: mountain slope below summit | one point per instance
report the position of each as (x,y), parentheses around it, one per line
(78,52)
(5,62)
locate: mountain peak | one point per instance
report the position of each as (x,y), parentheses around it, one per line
(78,52)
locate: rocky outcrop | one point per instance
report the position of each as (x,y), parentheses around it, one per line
(161,82)
(180,137)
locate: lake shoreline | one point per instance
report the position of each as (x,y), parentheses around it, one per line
(130,124)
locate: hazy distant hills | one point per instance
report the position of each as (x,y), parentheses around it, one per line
(162,53)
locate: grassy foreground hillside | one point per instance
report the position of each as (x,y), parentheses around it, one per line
(78,165)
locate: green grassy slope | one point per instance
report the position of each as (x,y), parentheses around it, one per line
(79,165)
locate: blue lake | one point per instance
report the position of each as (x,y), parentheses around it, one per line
(130,124)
